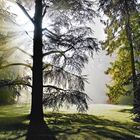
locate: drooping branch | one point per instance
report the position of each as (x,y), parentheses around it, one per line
(79,38)
(64,79)
(55,98)
(71,50)
(16,82)
(53,87)
(16,64)
(57,51)
(59,69)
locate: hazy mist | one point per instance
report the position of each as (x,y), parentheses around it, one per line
(96,88)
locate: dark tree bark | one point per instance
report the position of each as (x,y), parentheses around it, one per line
(136,103)
(37,90)
(129,37)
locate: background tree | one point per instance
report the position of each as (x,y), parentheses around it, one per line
(120,69)
(122,38)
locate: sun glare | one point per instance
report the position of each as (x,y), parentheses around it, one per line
(21,19)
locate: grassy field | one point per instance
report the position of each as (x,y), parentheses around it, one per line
(101,122)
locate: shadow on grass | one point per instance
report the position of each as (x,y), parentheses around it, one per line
(17,128)
(13,128)
(126,110)
(66,127)
(89,127)
(39,132)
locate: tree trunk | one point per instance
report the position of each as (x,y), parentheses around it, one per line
(36,115)
(136,103)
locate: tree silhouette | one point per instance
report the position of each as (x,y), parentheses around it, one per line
(59,53)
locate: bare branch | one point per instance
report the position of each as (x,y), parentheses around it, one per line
(24,52)
(57,51)
(54,87)
(45,29)
(44,12)
(25,12)
(52,52)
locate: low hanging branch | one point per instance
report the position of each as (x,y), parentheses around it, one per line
(55,98)
(16,64)
(9,83)
(16,84)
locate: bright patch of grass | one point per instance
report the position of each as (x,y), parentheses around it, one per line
(102,122)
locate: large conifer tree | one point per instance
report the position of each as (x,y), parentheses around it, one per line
(59,53)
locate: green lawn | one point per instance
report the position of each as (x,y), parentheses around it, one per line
(102,122)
